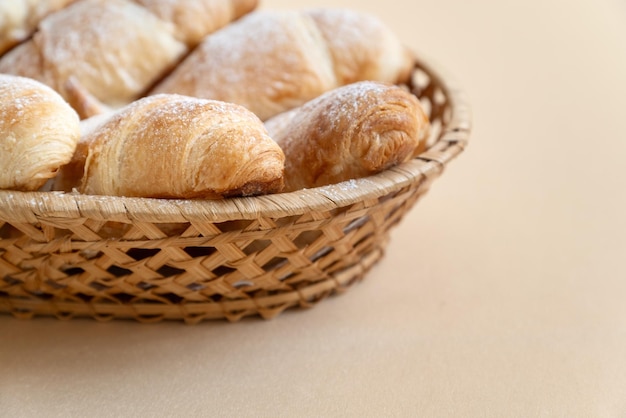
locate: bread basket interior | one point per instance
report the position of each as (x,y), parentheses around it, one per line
(71,255)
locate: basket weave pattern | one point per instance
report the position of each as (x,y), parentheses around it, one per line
(149,259)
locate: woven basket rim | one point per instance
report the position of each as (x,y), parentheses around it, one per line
(30,206)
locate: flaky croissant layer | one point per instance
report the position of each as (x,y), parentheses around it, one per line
(38,133)
(347,133)
(174,146)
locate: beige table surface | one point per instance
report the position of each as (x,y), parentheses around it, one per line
(503,293)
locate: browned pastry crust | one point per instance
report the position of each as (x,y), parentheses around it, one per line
(347,133)
(116,49)
(173,146)
(38,133)
(272,61)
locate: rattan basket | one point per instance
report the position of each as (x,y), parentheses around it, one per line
(71,255)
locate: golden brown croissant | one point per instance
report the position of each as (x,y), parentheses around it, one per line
(19,19)
(174,146)
(272,61)
(38,133)
(114,49)
(347,133)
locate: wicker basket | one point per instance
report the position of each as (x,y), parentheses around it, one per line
(72,255)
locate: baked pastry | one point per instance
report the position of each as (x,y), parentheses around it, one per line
(114,49)
(173,146)
(38,133)
(71,174)
(272,61)
(349,132)
(194,19)
(19,19)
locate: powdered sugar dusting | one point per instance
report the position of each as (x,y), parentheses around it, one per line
(193,20)
(362,46)
(268,61)
(114,48)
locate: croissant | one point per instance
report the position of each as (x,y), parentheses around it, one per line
(38,133)
(272,61)
(115,49)
(173,146)
(349,132)
(194,19)
(19,19)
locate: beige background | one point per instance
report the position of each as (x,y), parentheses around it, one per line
(503,293)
